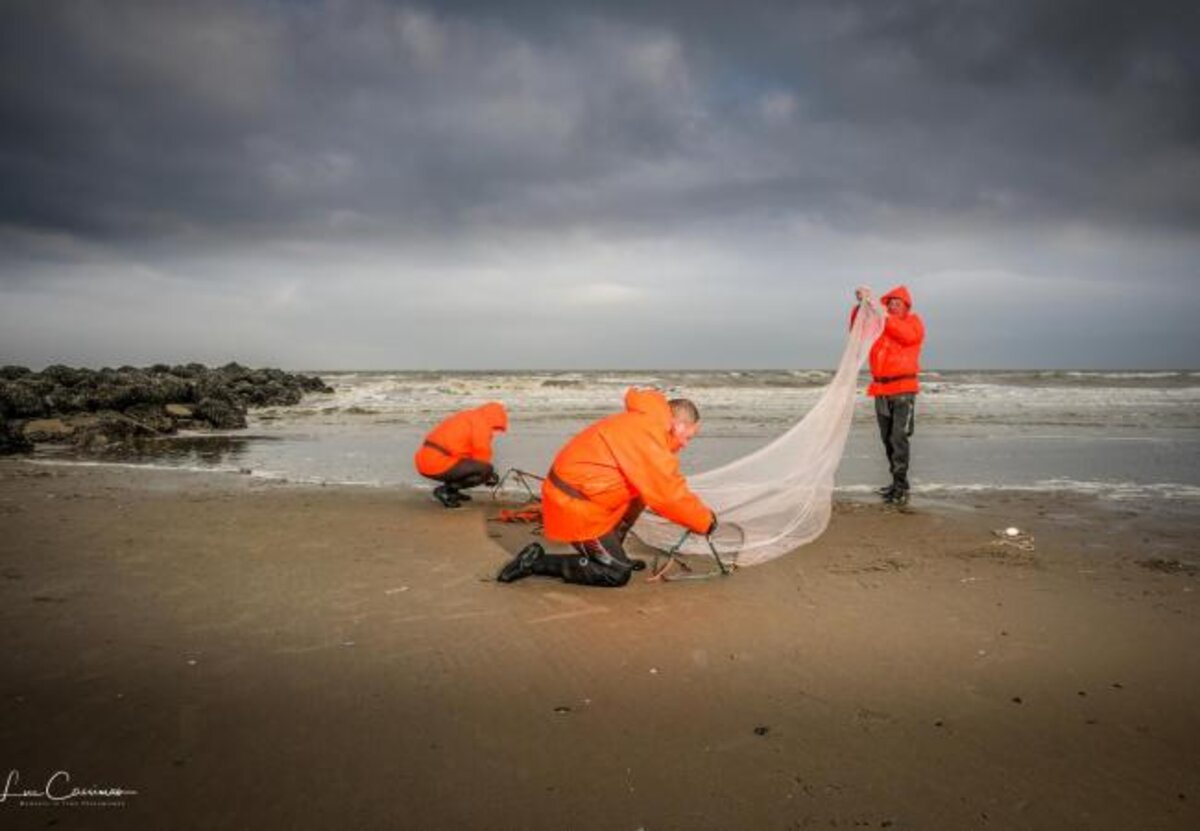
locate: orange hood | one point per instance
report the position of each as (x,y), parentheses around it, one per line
(494,415)
(654,404)
(649,402)
(899,292)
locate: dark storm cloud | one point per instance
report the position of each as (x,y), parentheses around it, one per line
(141,119)
(138,119)
(331,182)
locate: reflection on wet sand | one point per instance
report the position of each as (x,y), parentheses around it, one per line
(210,451)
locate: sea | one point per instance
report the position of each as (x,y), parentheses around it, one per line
(1117,435)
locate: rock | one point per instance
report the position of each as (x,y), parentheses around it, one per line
(84,421)
(130,402)
(311,383)
(108,427)
(115,396)
(91,440)
(188,371)
(63,375)
(151,416)
(12,373)
(212,386)
(116,425)
(47,429)
(21,399)
(12,440)
(221,414)
(68,399)
(165,389)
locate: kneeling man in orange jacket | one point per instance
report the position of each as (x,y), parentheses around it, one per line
(601,481)
(458,452)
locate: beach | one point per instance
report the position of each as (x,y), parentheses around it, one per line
(248,652)
(890,308)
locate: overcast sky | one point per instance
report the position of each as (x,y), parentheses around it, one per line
(371,184)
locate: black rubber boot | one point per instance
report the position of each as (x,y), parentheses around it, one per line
(447,497)
(523,564)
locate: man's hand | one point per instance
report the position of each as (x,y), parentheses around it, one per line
(492,479)
(711,527)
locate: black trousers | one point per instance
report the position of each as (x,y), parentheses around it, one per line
(600,562)
(466,473)
(896,415)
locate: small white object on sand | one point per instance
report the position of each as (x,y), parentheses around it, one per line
(1012,531)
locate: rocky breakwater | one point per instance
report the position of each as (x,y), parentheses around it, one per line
(98,408)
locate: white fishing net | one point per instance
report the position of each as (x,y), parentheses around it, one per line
(779,497)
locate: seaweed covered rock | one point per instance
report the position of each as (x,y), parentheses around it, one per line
(92,407)
(12,373)
(222,414)
(47,429)
(21,399)
(12,440)
(152,416)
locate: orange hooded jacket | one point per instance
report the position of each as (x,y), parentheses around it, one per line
(464,435)
(896,353)
(620,458)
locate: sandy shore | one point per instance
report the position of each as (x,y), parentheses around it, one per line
(247,654)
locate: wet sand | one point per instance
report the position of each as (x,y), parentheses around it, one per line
(249,654)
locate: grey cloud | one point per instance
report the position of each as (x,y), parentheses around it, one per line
(401,150)
(228,120)
(140,119)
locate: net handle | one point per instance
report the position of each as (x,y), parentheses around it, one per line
(522,477)
(673,553)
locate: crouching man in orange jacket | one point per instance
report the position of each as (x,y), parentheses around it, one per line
(601,481)
(458,452)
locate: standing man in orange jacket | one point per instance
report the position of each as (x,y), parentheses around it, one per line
(895,363)
(601,481)
(458,452)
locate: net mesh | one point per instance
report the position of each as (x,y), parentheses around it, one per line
(781,495)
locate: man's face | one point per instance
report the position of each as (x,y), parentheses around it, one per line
(896,306)
(683,432)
